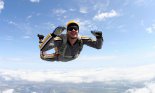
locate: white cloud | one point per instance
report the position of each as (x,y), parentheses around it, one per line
(35,1)
(149,88)
(30,16)
(26,37)
(100,6)
(71,9)
(151,29)
(1,5)
(84,10)
(28,29)
(59,12)
(8,91)
(86,26)
(105,15)
(137,74)
(12,23)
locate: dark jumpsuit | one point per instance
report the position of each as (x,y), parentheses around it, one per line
(70,52)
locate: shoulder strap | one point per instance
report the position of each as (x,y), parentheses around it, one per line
(84,37)
(62,49)
(80,43)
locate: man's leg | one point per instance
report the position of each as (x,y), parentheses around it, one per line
(46,43)
(43,54)
(47,57)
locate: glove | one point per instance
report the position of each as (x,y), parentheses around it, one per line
(58,31)
(98,34)
(40,36)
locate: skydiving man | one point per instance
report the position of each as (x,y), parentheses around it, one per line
(67,46)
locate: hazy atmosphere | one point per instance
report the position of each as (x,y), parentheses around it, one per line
(125,64)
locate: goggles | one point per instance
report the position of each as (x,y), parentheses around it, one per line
(72,27)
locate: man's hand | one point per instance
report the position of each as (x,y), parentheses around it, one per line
(41,37)
(58,31)
(98,34)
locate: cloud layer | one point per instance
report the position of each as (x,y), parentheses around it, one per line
(136,74)
(121,80)
(149,88)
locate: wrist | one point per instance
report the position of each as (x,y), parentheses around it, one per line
(53,35)
(98,37)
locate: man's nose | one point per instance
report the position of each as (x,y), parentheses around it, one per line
(73,30)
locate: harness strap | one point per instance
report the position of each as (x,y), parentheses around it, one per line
(62,50)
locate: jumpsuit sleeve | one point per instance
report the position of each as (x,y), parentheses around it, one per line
(53,43)
(49,43)
(92,43)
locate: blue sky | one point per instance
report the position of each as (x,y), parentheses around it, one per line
(127,55)
(128,27)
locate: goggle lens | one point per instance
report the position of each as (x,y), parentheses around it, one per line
(73,27)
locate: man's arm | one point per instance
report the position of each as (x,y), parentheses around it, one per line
(94,43)
(48,42)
